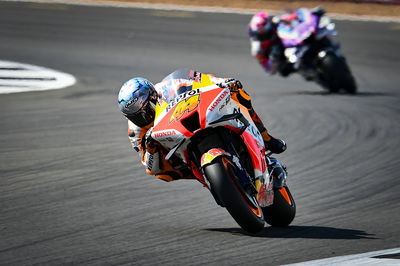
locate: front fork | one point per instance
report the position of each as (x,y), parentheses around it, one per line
(277,171)
(277,179)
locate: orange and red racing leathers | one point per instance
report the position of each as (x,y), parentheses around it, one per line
(153,158)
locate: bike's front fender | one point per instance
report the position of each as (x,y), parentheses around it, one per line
(211,155)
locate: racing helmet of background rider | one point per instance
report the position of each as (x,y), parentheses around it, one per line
(137,100)
(261,26)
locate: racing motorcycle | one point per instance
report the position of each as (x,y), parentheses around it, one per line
(309,48)
(209,134)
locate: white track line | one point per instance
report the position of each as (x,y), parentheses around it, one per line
(18,77)
(207,9)
(369,258)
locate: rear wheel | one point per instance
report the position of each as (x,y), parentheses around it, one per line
(242,206)
(282,212)
(336,74)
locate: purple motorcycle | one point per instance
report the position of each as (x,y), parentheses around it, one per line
(308,46)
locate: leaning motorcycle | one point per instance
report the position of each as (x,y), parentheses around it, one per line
(209,134)
(311,51)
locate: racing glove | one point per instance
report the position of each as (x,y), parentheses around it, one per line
(232,84)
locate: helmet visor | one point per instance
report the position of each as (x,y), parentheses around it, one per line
(144,116)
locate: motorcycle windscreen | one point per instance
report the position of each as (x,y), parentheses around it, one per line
(177,83)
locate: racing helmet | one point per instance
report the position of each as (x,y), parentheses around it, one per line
(137,100)
(261,26)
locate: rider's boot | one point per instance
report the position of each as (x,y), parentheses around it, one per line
(273,144)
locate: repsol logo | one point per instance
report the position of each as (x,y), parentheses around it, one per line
(164,134)
(182,96)
(218,100)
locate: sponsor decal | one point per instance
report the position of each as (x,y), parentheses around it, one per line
(218,100)
(209,156)
(265,195)
(195,75)
(181,97)
(185,106)
(149,161)
(131,102)
(254,130)
(225,104)
(164,133)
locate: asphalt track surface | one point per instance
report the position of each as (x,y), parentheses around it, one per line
(72,190)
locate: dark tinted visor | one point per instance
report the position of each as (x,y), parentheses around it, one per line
(144,116)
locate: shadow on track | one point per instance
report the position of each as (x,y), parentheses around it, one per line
(312,232)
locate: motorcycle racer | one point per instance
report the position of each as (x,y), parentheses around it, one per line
(137,99)
(266,46)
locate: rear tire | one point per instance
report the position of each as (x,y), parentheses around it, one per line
(282,212)
(336,74)
(223,183)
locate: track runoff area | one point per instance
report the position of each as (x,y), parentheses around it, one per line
(20,77)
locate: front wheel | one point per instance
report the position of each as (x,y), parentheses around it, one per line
(242,206)
(336,74)
(282,212)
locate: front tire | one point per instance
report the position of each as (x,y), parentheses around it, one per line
(282,212)
(244,210)
(336,74)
